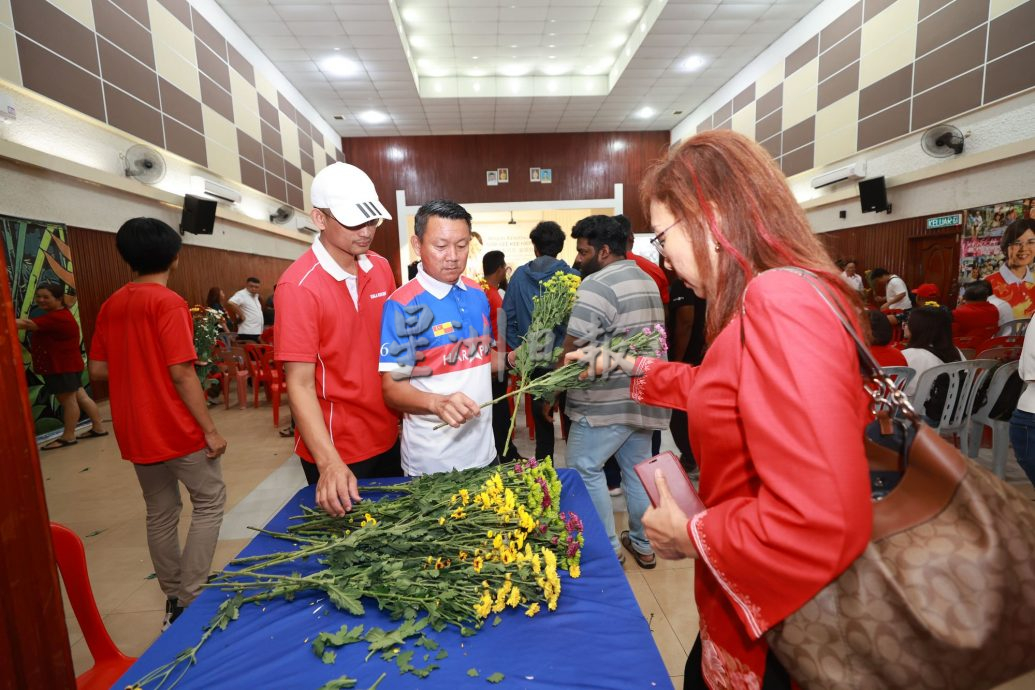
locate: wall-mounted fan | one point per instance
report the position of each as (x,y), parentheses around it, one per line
(282,215)
(143,164)
(942,141)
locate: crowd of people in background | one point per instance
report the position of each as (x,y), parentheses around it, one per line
(372,375)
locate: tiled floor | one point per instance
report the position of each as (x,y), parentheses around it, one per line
(96,494)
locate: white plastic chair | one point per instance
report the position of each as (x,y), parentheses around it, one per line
(1016,327)
(964,381)
(979,419)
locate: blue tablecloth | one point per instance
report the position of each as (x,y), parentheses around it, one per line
(597,637)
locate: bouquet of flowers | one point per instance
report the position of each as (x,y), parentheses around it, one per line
(206,332)
(454,549)
(551,308)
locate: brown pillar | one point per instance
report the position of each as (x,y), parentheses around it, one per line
(33,637)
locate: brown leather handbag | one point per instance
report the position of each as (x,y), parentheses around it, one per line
(943,597)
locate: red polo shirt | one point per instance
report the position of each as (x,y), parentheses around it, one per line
(654,271)
(55,346)
(318,322)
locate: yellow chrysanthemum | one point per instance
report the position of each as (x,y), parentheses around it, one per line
(532,610)
(575,571)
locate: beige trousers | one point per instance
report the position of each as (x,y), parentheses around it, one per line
(182,573)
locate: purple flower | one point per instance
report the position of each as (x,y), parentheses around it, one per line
(554,541)
(532,463)
(573,548)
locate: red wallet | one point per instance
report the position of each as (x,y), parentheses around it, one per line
(678,483)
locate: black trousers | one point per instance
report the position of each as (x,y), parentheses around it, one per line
(678,427)
(386,464)
(501,420)
(775,678)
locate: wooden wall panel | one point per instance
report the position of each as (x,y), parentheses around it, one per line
(33,637)
(99,271)
(585,166)
(885,245)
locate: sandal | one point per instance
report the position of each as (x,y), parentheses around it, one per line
(645,561)
(57,443)
(287,432)
(93,433)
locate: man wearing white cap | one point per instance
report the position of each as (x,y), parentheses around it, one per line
(327,332)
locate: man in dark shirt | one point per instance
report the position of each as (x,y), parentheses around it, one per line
(686,334)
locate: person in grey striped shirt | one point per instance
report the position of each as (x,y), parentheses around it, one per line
(616,298)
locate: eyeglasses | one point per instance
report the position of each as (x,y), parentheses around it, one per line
(658,241)
(1027,244)
(372,223)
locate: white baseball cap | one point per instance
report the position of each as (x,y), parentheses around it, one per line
(348,193)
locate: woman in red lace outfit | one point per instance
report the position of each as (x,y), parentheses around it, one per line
(776,409)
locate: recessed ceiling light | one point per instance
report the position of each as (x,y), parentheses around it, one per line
(514,45)
(551,46)
(645,112)
(373,117)
(474,57)
(553,21)
(339,66)
(553,57)
(692,63)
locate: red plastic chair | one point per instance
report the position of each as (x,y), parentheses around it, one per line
(269,374)
(234,367)
(1000,354)
(108,662)
(1003,341)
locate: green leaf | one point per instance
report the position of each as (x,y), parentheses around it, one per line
(424,672)
(346,600)
(496,678)
(338,683)
(473,672)
(404,661)
(329,656)
(442,654)
(427,643)
(496,621)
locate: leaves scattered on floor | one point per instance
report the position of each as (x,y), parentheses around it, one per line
(96,532)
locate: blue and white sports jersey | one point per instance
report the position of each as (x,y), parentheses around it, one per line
(438,337)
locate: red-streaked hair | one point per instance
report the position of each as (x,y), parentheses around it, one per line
(726,190)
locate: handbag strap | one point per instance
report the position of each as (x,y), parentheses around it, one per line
(886,392)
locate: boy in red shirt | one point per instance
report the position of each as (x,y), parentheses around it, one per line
(143,345)
(886,354)
(328,334)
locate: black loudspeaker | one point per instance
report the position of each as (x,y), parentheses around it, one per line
(873,195)
(199,215)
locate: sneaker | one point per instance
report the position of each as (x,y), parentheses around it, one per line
(615,491)
(172,612)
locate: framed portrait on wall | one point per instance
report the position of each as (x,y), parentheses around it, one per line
(533,174)
(503,175)
(546,175)
(491,178)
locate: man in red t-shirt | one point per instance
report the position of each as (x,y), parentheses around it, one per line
(143,345)
(976,316)
(328,334)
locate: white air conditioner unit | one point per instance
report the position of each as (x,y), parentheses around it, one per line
(855,171)
(203,185)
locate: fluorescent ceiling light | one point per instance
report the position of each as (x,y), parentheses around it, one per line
(373,117)
(339,66)
(515,70)
(692,63)
(645,112)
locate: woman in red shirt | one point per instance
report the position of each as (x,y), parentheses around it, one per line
(886,354)
(57,358)
(776,410)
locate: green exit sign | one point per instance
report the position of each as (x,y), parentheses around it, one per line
(948,221)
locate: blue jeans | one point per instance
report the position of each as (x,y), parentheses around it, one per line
(588,449)
(1022,438)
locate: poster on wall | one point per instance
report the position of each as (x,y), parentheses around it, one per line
(981,256)
(37,253)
